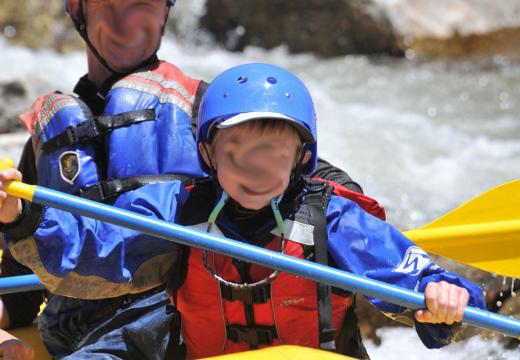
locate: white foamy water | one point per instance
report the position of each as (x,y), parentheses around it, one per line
(404,344)
(421,139)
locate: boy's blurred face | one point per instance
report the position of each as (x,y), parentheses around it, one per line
(254,167)
(124,32)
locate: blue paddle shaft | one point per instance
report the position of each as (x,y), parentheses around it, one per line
(16,284)
(239,250)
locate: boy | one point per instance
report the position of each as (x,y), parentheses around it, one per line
(257,137)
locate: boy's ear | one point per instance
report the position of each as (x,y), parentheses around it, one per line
(307,157)
(203,150)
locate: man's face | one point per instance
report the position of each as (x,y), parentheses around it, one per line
(125,32)
(253,168)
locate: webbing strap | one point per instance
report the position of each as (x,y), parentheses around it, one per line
(255,335)
(110,189)
(100,125)
(317,201)
(253,295)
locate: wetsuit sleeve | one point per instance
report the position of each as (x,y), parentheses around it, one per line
(107,260)
(22,307)
(327,171)
(365,245)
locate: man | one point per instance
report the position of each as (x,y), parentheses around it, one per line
(75,149)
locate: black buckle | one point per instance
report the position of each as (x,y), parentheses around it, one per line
(72,135)
(92,192)
(81,133)
(255,295)
(315,186)
(327,339)
(257,335)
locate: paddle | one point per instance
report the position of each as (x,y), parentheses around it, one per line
(484,232)
(310,270)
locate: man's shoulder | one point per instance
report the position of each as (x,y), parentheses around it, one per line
(169,71)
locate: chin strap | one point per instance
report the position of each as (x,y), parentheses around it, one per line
(216,210)
(278,217)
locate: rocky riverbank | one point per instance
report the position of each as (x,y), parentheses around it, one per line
(416,29)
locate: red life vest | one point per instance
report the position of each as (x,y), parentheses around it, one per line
(218,319)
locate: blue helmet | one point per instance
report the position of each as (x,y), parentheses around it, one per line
(258,91)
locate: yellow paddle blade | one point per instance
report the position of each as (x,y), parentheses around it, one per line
(484,232)
(283,352)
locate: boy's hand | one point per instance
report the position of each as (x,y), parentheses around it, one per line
(10,207)
(14,349)
(445,303)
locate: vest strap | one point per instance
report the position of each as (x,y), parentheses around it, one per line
(255,295)
(317,200)
(255,335)
(110,189)
(100,125)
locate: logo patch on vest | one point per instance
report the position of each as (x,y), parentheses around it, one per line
(69,166)
(291,302)
(413,261)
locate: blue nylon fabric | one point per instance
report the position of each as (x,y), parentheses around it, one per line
(365,245)
(49,164)
(164,146)
(68,242)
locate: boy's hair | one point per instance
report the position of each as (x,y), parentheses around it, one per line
(261,127)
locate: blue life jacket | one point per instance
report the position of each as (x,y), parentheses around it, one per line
(144,136)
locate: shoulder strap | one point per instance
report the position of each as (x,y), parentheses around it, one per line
(100,125)
(110,189)
(366,202)
(317,200)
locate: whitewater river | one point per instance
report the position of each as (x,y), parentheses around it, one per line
(421,138)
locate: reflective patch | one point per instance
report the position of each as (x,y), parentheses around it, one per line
(51,105)
(413,261)
(69,166)
(297,232)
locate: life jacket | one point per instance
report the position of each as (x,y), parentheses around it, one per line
(144,136)
(217,318)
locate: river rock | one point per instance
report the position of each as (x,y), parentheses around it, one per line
(38,24)
(14,99)
(429,28)
(456,29)
(324,27)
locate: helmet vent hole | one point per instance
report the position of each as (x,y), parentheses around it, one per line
(242,80)
(226,94)
(271,80)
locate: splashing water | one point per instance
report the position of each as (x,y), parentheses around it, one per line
(421,138)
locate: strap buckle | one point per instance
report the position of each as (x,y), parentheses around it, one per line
(257,335)
(81,133)
(254,295)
